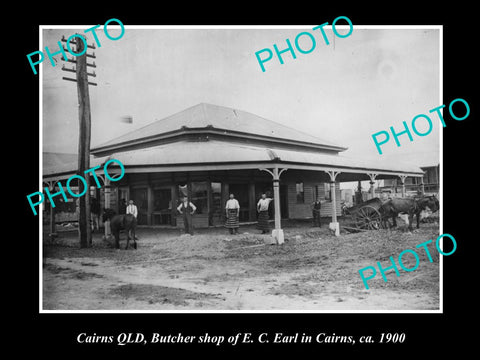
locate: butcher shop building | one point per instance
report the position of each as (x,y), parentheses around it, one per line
(209,151)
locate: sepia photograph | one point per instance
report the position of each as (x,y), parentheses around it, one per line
(241,168)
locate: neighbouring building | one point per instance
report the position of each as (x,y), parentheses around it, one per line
(429,184)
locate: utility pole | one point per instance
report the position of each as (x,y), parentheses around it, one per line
(84,116)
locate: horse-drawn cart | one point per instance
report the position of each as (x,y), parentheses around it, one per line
(374,213)
(365,216)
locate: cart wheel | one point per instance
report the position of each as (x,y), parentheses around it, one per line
(368,218)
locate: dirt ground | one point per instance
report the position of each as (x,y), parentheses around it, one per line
(213,270)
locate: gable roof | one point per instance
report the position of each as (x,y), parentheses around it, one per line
(213,117)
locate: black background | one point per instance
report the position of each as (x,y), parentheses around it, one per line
(55,334)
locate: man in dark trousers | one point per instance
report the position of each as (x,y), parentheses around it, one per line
(316,206)
(187,209)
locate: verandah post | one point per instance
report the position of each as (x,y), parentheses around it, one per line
(334,225)
(106,193)
(277,233)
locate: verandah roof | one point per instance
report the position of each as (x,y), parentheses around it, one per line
(218,155)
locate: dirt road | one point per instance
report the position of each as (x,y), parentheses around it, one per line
(211,270)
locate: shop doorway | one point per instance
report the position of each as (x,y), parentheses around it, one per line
(162,206)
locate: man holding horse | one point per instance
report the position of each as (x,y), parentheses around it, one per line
(132,209)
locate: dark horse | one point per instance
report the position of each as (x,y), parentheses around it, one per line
(118,222)
(410,206)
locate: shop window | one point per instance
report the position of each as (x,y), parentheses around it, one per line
(328,191)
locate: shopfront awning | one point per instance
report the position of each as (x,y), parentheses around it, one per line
(218,155)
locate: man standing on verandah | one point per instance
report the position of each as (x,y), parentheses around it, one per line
(232,210)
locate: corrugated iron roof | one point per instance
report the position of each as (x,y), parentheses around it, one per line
(220,117)
(344,161)
(57,163)
(210,153)
(188,152)
(215,152)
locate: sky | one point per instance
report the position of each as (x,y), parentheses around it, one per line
(343,92)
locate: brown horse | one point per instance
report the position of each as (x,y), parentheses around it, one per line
(118,222)
(410,206)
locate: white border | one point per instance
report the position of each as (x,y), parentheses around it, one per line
(440,190)
(183,27)
(40,174)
